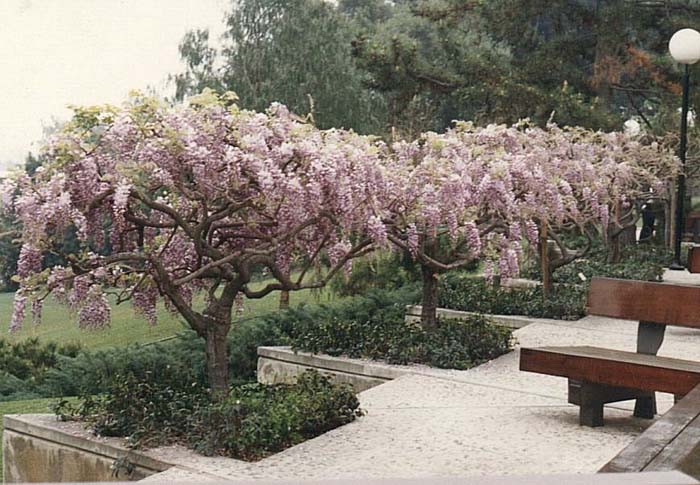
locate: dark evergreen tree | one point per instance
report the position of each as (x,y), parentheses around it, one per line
(296,52)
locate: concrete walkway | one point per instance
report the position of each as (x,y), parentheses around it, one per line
(490,420)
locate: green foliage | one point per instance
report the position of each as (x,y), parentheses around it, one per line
(24,365)
(369,325)
(386,271)
(296,52)
(147,406)
(464,292)
(588,63)
(91,372)
(461,344)
(460,291)
(12,388)
(643,262)
(88,372)
(256,420)
(373,326)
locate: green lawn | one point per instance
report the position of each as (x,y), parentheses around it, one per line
(60,326)
(22,407)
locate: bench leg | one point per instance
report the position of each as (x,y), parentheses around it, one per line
(590,407)
(645,406)
(591,414)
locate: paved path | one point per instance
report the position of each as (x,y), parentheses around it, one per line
(491,420)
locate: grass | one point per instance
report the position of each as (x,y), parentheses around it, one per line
(59,325)
(22,407)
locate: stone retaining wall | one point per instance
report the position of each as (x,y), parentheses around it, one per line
(35,451)
(281,365)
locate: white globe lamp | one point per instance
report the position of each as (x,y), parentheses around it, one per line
(684,47)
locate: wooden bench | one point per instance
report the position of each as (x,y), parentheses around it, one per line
(598,376)
(670,443)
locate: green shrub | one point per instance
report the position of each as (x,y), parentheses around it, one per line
(147,407)
(92,372)
(88,372)
(382,271)
(252,422)
(374,326)
(30,359)
(461,291)
(256,420)
(364,325)
(13,389)
(643,262)
(464,292)
(24,365)
(461,344)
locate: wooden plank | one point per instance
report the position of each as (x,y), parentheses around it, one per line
(613,368)
(645,301)
(682,453)
(644,449)
(694,259)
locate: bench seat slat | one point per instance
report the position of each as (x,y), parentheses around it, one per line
(645,301)
(637,456)
(613,368)
(681,453)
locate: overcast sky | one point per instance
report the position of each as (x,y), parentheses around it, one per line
(59,52)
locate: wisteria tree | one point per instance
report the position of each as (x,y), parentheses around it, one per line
(464,200)
(605,176)
(174,202)
(636,168)
(479,193)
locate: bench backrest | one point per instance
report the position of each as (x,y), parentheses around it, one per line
(645,301)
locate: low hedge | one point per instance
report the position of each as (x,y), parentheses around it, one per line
(460,291)
(643,262)
(257,420)
(51,371)
(466,293)
(374,327)
(24,365)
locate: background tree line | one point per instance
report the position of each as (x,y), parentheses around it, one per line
(405,66)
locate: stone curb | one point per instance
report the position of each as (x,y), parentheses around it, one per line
(512,321)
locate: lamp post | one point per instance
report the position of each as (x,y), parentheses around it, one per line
(684,47)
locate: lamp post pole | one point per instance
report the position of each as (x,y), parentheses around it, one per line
(684,47)
(680,196)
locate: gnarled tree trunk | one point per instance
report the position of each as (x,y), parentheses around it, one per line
(428,315)
(217,357)
(429,302)
(284,299)
(216,325)
(545,267)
